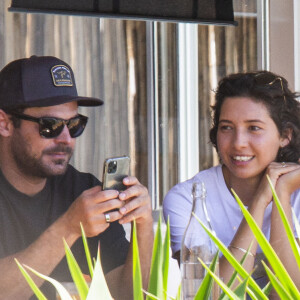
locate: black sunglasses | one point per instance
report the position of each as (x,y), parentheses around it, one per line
(51,127)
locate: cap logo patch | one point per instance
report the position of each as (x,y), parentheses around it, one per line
(61,76)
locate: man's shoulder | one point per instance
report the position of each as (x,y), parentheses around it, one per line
(71,171)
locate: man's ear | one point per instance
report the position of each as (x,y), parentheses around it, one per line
(286,137)
(6,125)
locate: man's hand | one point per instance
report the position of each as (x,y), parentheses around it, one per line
(136,205)
(90,209)
(136,202)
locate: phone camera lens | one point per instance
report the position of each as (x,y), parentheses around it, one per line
(112,167)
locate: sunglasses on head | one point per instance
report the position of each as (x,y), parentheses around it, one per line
(51,127)
(268,79)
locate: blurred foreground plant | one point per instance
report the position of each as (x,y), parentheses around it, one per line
(98,288)
(158,282)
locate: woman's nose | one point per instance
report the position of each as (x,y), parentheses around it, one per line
(240,139)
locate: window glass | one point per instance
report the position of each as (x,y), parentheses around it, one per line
(221,50)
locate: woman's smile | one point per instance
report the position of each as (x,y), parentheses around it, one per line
(247,138)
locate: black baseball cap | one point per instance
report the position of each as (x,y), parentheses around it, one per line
(39,81)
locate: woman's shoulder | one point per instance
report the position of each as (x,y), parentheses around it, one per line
(183,189)
(212,173)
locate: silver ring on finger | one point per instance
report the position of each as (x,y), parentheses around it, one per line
(283,164)
(107,218)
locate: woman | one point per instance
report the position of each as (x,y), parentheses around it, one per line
(256,132)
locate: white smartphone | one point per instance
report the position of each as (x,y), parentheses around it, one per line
(115,169)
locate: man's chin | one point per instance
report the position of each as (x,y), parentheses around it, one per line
(58,168)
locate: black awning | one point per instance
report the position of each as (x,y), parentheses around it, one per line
(219,12)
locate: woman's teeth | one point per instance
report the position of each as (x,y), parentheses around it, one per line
(242,158)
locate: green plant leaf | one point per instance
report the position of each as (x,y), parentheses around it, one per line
(155,286)
(270,254)
(87,251)
(98,288)
(290,234)
(234,275)
(76,273)
(178,292)
(151,296)
(267,288)
(63,293)
(252,294)
(137,274)
(282,293)
(236,265)
(240,291)
(224,287)
(166,259)
(31,283)
(205,288)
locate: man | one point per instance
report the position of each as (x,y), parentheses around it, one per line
(43,199)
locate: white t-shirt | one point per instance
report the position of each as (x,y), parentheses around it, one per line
(223,210)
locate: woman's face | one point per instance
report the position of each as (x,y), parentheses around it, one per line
(247,137)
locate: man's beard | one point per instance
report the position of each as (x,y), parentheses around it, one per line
(31,165)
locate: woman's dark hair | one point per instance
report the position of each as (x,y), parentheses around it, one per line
(271,90)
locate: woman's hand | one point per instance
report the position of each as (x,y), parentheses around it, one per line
(278,171)
(289,182)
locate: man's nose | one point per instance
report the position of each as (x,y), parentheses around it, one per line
(64,136)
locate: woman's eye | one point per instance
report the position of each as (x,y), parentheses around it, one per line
(254,128)
(225,127)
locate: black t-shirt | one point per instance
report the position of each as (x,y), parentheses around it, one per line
(24,218)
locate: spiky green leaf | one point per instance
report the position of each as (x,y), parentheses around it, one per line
(234,275)
(76,273)
(290,234)
(232,260)
(61,290)
(224,287)
(166,259)
(31,283)
(87,251)
(155,285)
(205,288)
(267,288)
(98,288)
(137,274)
(281,291)
(240,291)
(270,254)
